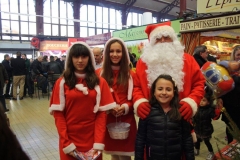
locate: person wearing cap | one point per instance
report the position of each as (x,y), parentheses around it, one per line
(164,54)
(117,72)
(78,103)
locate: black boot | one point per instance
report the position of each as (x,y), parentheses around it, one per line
(2,100)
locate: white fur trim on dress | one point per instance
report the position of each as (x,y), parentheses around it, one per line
(86,45)
(194,137)
(130,87)
(107,107)
(61,106)
(137,103)
(80,87)
(192,103)
(119,153)
(69,148)
(126,108)
(98,146)
(98,98)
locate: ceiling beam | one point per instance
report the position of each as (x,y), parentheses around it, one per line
(160,1)
(165,10)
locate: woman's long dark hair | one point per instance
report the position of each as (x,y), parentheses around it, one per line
(174,114)
(70,79)
(123,76)
(9,145)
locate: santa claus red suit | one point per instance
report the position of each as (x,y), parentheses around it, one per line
(164,54)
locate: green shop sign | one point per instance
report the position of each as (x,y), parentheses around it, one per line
(131,34)
(138,33)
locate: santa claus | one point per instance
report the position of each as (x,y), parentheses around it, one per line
(164,54)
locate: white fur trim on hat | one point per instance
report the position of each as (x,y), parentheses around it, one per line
(125,47)
(137,103)
(192,103)
(161,31)
(86,45)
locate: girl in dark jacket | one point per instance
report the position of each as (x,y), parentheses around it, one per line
(202,122)
(164,134)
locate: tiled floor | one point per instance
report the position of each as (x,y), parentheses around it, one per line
(36,131)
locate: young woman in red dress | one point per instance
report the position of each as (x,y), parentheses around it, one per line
(78,103)
(117,72)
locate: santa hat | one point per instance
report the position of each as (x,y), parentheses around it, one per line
(158,30)
(125,47)
(86,45)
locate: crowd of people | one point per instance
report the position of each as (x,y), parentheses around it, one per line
(19,74)
(97,87)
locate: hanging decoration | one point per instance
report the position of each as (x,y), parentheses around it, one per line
(35,42)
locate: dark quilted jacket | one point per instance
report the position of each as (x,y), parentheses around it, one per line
(164,139)
(202,121)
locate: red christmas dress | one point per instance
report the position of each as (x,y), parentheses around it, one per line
(122,96)
(193,88)
(80,115)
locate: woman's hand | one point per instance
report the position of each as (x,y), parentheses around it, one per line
(95,152)
(120,111)
(72,154)
(114,111)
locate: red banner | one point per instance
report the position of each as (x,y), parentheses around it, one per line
(92,40)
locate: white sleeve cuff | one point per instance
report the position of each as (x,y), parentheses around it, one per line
(137,103)
(69,148)
(98,146)
(192,103)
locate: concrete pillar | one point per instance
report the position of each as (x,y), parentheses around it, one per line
(183,7)
(39,20)
(124,18)
(76,15)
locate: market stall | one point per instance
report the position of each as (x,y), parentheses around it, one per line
(52,48)
(219,33)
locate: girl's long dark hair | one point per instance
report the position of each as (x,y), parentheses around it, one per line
(107,73)
(10,148)
(70,79)
(174,114)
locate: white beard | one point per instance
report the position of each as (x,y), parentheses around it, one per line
(164,58)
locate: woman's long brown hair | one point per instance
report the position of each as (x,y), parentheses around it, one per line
(107,73)
(70,79)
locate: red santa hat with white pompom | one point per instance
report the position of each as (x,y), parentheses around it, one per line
(158,30)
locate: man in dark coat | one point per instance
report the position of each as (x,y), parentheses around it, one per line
(3,81)
(7,66)
(38,74)
(19,70)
